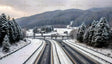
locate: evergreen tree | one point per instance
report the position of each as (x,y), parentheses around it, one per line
(101,34)
(3,27)
(6,44)
(11,28)
(89,33)
(81,32)
(12,31)
(18,33)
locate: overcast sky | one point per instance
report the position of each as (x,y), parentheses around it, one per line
(21,8)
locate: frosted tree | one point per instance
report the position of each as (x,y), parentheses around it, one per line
(81,32)
(3,27)
(90,32)
(18,33)
(73,33)
(101,34)
(12,31)
(11,28)
(86,36)
(6,44)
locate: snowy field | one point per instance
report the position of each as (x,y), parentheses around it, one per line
(60,31)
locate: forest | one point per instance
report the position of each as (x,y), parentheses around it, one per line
(10,32)
(98,34)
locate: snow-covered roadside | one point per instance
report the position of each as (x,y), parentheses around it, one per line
(99,57)
(21,55)
(13,48)
(35,54)
(107,52)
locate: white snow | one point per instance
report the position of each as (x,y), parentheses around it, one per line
(35,55)
(29,32)
(14,47)
(55,58)
(21,55)
(74,45)
(64,59)
(60,31)
(105,51)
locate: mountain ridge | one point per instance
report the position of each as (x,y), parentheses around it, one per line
(63,17)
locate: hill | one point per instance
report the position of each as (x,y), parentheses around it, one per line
(60,18)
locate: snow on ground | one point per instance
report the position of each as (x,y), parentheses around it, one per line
(64,59)
(29,32)
(20,56)
(14,47)
(36,53)
(101,50)
(89,52)
(60,31)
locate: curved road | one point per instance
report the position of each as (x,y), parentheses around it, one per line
(45,56)
(58,52)
(75,55)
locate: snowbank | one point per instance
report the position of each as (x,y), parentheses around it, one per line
(14,48)
(23,54)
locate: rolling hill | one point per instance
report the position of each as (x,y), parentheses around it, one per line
(60,18)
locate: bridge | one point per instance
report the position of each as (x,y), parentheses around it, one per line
(50,37)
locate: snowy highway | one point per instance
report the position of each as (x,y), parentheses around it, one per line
(45,56)
(95,55)
(51,51)
(59,55)
(57,52)
(23,54)
(77,56)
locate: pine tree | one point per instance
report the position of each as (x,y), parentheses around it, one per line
(81,32)
(6,44)
(11,28)
(12,31)
(3,27)
(101,34)
(89,33)
(18,32)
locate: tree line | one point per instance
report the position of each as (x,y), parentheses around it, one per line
(10,32)
(98,34)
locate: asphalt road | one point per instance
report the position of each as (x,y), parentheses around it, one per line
(75,55)
(45,58)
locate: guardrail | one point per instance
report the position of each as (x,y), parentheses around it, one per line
(50,36)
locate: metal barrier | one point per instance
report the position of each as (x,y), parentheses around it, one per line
(51,37)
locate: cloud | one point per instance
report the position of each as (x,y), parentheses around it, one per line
(19,8)
(12,11)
